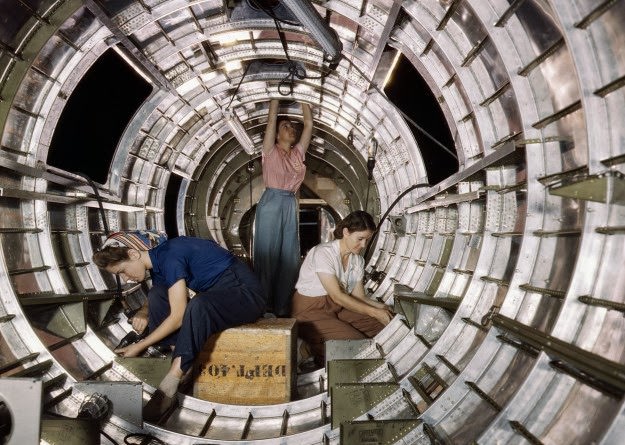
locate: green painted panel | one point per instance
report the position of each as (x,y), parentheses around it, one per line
(376,432)
(597,188)
(70,432)
(150,370)
(351,371)
(352,400)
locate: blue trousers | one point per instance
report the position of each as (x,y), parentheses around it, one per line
(276,248)
(236,298)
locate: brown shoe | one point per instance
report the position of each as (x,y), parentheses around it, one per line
(159,406)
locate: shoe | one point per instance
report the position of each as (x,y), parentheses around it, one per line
(159,406)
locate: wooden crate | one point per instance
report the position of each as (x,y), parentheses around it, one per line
(252,364)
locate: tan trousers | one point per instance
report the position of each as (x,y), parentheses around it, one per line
(320,319)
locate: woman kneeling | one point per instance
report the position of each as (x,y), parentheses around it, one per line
(227,294)
(330,302)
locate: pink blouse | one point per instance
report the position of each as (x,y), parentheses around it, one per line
(284,171)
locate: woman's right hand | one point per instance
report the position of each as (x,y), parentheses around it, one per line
(132,350)
(384,315)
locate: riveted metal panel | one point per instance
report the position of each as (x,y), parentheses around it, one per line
(346,349)
(351,371)
(132,18)
(352,400)
(376,432)
(150,370)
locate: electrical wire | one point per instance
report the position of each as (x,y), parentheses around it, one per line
(270,13)
(294,70)
(107,231)
(110,439)
(291,76)
(393,204)
(239,85)
(98,198)
(145,439)
(405,116)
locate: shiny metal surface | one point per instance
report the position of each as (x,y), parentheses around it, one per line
(532,92)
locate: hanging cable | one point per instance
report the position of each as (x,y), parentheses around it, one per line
(294,71)
(414,124)
(393,204)
(98,198)
(236,90)
(292,66)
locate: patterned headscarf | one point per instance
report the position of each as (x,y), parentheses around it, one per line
(136,239)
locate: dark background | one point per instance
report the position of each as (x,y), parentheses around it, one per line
(411,94)
(95,117)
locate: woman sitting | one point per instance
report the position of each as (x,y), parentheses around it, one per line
(227,294)
(330,302)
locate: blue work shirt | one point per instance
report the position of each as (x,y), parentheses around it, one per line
(197,261)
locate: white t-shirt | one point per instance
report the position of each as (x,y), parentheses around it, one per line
(326,258)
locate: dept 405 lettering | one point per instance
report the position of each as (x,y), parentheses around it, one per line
(244,371)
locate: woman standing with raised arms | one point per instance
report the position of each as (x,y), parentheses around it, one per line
(276,231)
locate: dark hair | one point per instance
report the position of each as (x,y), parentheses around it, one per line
(280,119)
(357,221)
(110,255)
(284,118)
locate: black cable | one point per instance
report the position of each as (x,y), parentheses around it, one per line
(393,204)
(417,126)
(98,198)
(270,13)
(239,85)
(110,439)
(145,439)
(293,68)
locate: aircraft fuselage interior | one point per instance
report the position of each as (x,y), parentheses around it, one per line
(486,138)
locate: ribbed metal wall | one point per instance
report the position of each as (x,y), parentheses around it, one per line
(506,276)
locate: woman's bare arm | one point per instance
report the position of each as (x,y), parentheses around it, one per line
(351,302)
(178,302)
(304,139)
(269,140)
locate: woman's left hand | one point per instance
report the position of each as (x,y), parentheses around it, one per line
(132,350)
